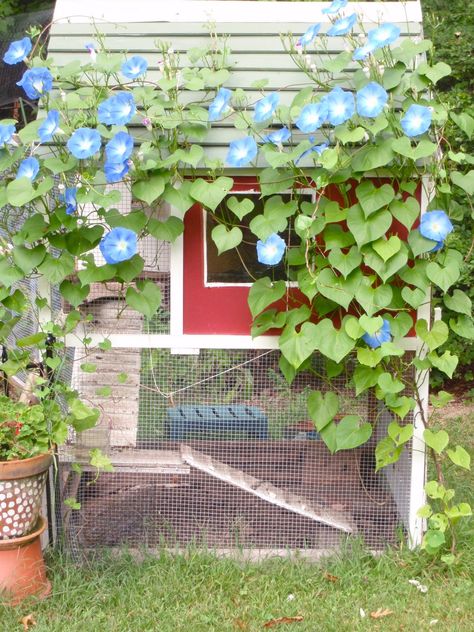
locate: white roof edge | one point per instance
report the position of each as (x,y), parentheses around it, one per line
(203,11)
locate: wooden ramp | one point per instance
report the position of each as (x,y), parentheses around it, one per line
(267,491)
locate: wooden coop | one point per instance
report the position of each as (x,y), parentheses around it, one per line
(210,445)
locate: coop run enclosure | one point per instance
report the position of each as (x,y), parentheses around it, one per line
(211,446)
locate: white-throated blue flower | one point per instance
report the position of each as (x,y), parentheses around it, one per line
(416,120)
(371,100)
(84,143)
(120,244)
(241,152)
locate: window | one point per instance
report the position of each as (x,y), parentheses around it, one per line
(240,264)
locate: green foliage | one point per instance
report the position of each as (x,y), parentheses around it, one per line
(353,246)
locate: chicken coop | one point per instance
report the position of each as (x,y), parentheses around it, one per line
(210,445)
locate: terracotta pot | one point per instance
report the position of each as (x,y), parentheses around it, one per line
(22,567)
(21,490)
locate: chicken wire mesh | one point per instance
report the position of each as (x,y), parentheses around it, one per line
(215,449)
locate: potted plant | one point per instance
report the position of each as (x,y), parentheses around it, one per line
(30,430)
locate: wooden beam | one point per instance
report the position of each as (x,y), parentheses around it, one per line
(266,491)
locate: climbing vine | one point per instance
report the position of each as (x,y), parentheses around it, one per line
(342,273)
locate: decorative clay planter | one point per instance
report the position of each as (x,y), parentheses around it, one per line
(22,567)
(21,489)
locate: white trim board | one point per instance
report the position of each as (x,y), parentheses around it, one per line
(196,341)
(204,11)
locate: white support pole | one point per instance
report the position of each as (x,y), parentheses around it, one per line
(417,525)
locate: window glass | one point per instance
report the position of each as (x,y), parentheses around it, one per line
(240,264)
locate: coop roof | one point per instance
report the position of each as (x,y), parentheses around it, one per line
(255,31)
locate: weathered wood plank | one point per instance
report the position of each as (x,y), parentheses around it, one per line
(130,460)
(266,491)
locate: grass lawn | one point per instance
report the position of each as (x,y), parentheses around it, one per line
(201,593)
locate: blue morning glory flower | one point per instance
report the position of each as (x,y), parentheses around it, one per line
(49,126)
(363,52)
(119,148)
(220,104)
(120,244)
(28,169)
(271,251)
(69,199)
(312,116)
(116,171)
(241,152)
(6,133)
(265,108)
(371,99)
(343,25)
(36,82)
(318,149)
(335,6)
(384,334)
(384,35)
(17,51)
(134,67)
(416,121)
(117,110)
(84,143)
(435,225)
(340,106)
(309,35)
(278,137)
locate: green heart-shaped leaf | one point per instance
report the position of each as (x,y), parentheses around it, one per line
(386,269)
(334,343)
(459,456)
(458,302)
(345,263)
(298,346)
(446,363)
(74,293)
(322,407)
(263,225)
(400,434)
(263,293)
(370,325)
(28,258)
(338,289)
(371,198)
(193,156)
(434,73)
(434,337)
(420,244)
(241,208)
(226,239)
(367,229)
(372,157)
(400,325)
(464,181)
(436,440)
(388,384)
(443,277)
(386,452)
(146,299)
(211,194)
(414,297)
(352,432)
(386,248)
(423,149)
(371,299)
(20,191)
(150,190)
(405,211)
